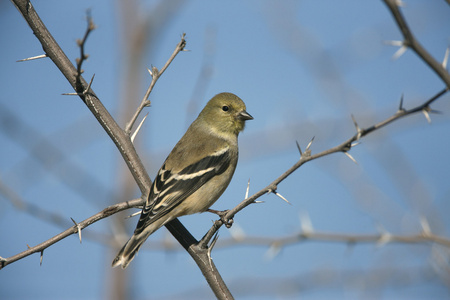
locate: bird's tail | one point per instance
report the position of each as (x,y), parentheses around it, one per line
(128,251)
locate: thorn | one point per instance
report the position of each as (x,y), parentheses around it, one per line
(305,223)
(248,189)
(151,74)
(427,115)
(400,107)
(89,85)
(307,152)
(213,243)
(310,143)
(433,111)
(355,144)
(274,191)
(78,228)
(28,246)
(273,251)
(351,157)
(299,149)
(281,196)
(237,233)
(394,43)
(138,128)
(133,215)
(358,129)
(354,122)
(258,201)
(84,93)
(385,238)
(32,58)
(71,94)
(399,52)
(42,257)
(444,62)
(425,226)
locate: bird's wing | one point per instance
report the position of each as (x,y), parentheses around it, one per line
(170,189)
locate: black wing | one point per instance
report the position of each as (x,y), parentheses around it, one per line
(168,190)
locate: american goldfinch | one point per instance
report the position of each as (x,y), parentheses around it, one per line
(196,172)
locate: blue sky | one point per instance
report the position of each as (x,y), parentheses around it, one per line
(303,68)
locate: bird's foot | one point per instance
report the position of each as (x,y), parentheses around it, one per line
(228,222)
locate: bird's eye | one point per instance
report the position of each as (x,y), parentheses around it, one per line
(225,108)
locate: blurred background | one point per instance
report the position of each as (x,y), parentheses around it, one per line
(303,68)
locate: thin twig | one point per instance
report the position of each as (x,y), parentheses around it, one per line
(411,42)
(155,73)
(110,210)
(81,44)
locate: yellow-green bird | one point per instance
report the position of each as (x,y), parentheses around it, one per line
(196,172)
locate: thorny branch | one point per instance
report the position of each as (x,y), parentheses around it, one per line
(110,210)
(411,42)
(155,74)
(306,156)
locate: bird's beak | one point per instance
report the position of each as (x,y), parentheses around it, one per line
(244,116)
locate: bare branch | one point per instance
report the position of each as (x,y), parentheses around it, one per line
(411,42)
(110,210)
(155,73)
(82,43)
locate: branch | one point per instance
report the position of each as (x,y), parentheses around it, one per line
(306,157)
(155,76)
(411,42)
(110,210)
(347,238)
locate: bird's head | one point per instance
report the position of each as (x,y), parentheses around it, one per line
(226,113)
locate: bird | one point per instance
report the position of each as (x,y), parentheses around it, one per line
(195,173)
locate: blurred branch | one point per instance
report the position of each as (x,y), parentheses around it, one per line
(44,215)
(31,208)
(411,42)
(351,239)
(368,283)
(54,160)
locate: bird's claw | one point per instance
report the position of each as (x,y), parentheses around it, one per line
(228,222)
